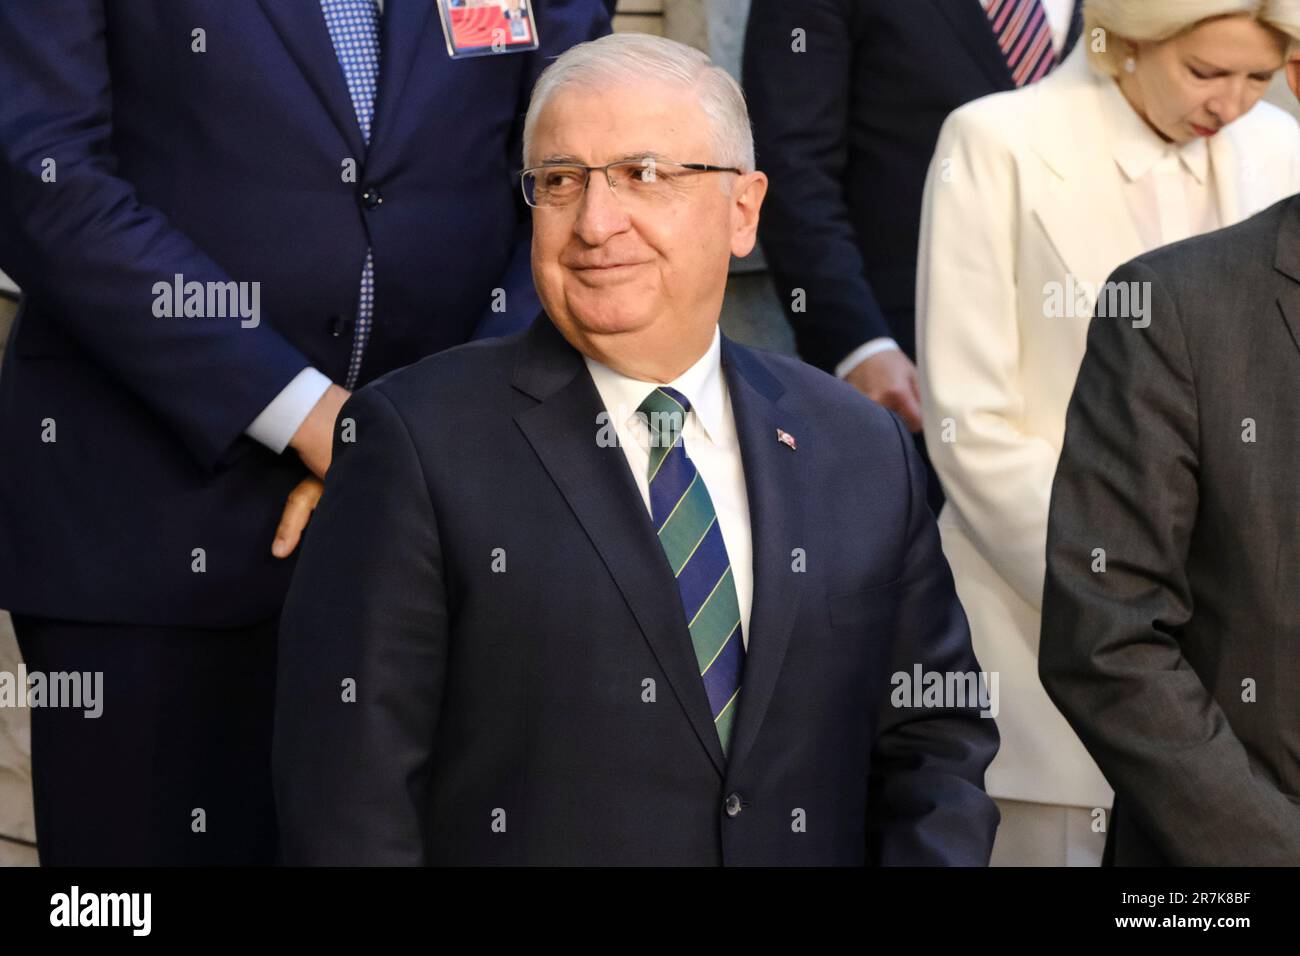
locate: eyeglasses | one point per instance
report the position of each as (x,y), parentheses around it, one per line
(642,180)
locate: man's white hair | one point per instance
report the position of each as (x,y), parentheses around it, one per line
(639,59)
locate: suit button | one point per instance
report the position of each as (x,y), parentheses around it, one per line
(340,325)
(732,806)
(371,197)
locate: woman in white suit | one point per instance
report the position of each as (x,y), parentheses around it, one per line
(1151,132)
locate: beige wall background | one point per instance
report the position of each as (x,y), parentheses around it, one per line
(17,831)
(1280,94)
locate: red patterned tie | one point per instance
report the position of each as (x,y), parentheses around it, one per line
(1025,37)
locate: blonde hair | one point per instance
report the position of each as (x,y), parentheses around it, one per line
(1154,21)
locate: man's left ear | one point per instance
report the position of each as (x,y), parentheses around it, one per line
(1293,69)
(747,199)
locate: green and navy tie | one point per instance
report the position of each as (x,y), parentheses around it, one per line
(691,538)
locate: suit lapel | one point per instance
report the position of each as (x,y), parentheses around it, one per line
(1085,182)
(600,490)
(1064,217)
(301,27)
(776,488)
(971,24)
(1288,263)
(404,28)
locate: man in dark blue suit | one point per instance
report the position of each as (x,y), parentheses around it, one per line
(847,98)
(224,216)
(618,590)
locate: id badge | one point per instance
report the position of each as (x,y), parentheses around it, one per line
(486,27)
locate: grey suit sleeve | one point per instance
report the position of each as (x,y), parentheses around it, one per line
(367,605)
(927,803)
(1110,656)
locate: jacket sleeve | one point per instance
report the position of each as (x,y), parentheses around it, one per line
(362,656)
(799,103)
(997,477)
(1110,655)
(927,805)
(80,243)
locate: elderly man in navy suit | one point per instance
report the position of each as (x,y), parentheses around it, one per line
(618,590)
(224,217)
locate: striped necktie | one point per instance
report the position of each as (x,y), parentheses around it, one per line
(1025,36)
(692,539)
(354,31)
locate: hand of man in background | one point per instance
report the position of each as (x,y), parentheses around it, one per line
(314,442)
(314,439)
(297,512)
(889,378)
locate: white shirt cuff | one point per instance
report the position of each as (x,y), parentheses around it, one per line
(279,421)
(864,352)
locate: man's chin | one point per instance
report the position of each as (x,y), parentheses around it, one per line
(610,319)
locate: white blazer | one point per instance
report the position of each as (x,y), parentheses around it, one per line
(1024,191)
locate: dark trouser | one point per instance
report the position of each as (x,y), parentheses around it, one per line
(186,726)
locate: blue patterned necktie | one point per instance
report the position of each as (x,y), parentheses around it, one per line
(692,539)
(354,30)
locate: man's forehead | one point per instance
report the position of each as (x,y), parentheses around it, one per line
(634,156)
(623,123)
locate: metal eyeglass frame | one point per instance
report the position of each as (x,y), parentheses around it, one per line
(694,167)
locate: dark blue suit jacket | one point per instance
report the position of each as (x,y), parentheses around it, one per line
(487,575)
(846,132)
(224,165)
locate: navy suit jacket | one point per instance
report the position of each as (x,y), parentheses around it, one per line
(225,165)
(846,132)
(483,574)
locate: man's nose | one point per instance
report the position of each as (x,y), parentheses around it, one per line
(600,211)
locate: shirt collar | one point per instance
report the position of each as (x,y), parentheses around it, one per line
(1136,146)
(702,384)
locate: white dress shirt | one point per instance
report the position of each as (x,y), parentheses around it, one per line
(276,424)
(710,439)
(1059,14)
(1169,189)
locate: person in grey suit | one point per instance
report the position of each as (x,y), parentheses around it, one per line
(1171,622)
